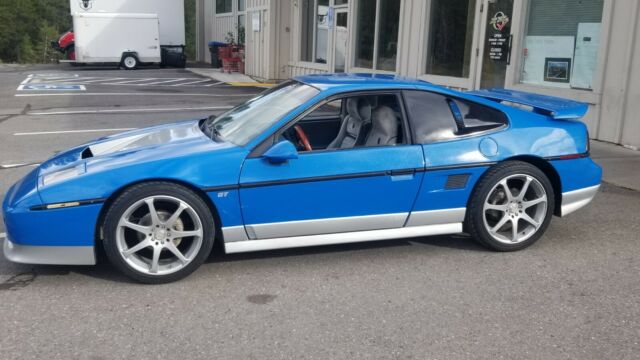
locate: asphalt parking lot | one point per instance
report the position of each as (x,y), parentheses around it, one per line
(573,295)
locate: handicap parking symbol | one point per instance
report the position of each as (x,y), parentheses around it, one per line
(51,87)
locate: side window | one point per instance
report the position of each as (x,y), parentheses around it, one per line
(330,109)
(430,116)
(436,117)
(355,121)
(478,117)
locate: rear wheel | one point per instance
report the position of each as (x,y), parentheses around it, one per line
(511,207)
(158,232)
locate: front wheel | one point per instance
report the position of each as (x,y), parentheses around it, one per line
(511,207)
(158,232)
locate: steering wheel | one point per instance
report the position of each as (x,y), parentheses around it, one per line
(303,140)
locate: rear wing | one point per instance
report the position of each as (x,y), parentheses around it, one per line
(556,108)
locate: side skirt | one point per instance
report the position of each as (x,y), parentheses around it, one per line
(342,238)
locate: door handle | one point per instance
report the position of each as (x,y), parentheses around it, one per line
(401,172)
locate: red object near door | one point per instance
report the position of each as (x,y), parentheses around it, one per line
(66,40)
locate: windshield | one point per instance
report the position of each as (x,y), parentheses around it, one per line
(246,121)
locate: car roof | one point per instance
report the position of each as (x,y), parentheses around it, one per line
(360,81)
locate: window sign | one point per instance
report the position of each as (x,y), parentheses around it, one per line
(585,55)
(557,69)
(545,57)
(561,43)
(498,41)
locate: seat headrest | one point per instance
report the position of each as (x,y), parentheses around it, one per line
(359,108)
(385,121)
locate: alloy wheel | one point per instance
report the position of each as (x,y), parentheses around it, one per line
(515,209)
(159,235)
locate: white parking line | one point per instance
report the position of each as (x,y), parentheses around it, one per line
(134,94)
(72,131)
(27,80)
(192,82)
(110,111)
(135,80)
(13,166)
(165,81)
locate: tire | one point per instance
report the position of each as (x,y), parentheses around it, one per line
(129,62)
(160,248)
(492,212)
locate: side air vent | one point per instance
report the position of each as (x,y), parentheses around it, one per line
(458,181)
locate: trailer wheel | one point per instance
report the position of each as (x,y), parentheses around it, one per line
(129,61)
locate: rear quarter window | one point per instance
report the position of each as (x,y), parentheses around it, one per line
(477,117)
(436,117)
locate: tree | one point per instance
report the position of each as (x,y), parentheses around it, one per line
(27,27)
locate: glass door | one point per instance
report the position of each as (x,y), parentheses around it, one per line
(496,47)
(340,40)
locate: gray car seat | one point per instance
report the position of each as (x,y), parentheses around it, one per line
(351,130)
(384,129)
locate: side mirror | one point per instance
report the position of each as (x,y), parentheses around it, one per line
(281,152)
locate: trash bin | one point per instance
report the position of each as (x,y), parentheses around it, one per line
(213,50)
(173,56)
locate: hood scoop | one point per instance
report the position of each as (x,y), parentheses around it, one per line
(113,146)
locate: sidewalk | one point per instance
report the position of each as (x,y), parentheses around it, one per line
(233,79)
(620,166)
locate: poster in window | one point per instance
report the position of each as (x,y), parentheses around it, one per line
(557,69)
(586,55)
(538,50)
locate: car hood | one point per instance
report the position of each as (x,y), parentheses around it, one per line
(156,140)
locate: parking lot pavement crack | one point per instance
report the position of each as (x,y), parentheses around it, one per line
(18,281)
(24,111)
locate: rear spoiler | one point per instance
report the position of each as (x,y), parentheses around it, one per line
(556,108)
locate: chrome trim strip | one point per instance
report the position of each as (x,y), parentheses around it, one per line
(326,226)
(49,255)
(574,200)
(434,217)
(234,233)
(342,238)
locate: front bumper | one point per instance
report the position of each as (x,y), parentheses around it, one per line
(49,255)
(55,237)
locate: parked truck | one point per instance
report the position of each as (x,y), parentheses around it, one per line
(125,32)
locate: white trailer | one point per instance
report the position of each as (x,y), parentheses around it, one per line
(129,32)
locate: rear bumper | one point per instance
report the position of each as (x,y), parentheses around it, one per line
(49,255)
(574,200)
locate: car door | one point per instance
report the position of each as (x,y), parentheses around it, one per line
(331,191)
(456,138)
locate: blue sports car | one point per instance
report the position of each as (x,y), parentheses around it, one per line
(320,159)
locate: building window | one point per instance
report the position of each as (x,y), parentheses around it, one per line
(562,42)
(241,5)
(379,17)
(340,2)
(314,31)
(450,37)
(224,6)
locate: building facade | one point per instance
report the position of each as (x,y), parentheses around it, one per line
(586,50)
